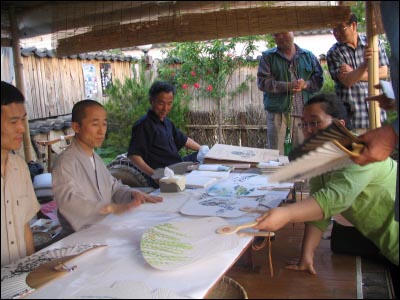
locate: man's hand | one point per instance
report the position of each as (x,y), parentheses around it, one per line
(273,219)
(143,198)
(117,209)
(138,198)
(368,52)
(345,68)
(379,145)
(384,102)
(299,85)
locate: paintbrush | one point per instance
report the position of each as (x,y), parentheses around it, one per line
(229,229)
(253,210)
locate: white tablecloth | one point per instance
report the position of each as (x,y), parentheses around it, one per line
(122,260)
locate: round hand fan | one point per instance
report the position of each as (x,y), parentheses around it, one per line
(170,246)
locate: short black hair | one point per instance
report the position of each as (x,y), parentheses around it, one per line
(160,87)
(353,18)
(10,94)
(78,111)
(332,106)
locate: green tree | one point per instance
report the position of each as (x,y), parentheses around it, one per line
(206,68)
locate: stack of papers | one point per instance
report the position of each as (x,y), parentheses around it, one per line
(198,182)
(206,175)
(273,165)
(218,175)
(214,168)
(229,154)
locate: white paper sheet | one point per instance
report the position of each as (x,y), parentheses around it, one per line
(172,202)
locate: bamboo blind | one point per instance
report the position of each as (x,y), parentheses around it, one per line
(82,27)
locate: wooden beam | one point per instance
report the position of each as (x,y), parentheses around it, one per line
(205,26)
(20,80)
(374,111)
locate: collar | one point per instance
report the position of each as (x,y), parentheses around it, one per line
(152,115)
(298,50)
(361,41)
(76,145)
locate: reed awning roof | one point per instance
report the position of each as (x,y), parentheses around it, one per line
(85,26)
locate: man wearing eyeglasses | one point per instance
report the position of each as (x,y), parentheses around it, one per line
(364,195)
(348,65)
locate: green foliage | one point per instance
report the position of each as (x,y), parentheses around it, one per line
(329,84)
(205,68)
(270,40)
(127,102)
(358,8)
(114,51)
(391,116)
(108,153)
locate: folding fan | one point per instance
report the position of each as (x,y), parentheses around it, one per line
(327,150)
(22,277)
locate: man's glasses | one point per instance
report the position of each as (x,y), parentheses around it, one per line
(340,29)
(313,124)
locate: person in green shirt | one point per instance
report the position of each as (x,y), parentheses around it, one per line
(364,195)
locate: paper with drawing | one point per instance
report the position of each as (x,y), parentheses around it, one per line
(249,185)
(241,154)
(174,245)
(227,207)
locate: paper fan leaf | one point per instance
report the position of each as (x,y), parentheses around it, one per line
(48,272)
(13,276)
(325,158)
(171,246)
(336,131)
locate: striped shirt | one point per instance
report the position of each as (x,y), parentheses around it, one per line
(355,95)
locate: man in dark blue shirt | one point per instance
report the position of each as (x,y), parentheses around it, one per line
(155,141)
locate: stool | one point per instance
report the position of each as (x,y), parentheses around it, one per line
(227,288)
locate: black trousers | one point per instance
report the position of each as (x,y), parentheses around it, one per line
(348,240)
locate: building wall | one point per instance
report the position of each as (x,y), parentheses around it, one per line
(53,85)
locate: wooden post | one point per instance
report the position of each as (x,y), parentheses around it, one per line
(220,121)
(373,65)
(243,131)
(19,76)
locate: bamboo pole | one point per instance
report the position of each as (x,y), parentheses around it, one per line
(19,76)
(373,65)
